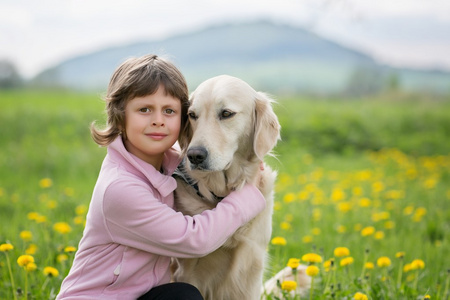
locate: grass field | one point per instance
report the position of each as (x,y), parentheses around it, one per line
(365,184)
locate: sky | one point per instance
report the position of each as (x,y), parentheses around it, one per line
(37,34)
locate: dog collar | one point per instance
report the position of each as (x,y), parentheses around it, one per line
(182,173)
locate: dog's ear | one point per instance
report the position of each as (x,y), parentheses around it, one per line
(267,127)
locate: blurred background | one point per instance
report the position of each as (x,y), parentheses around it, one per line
(362,90)
(316,47)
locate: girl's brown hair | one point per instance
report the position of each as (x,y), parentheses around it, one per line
(138,77)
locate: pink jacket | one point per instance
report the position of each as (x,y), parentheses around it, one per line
(132,229)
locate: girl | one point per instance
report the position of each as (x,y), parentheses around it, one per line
(132,229)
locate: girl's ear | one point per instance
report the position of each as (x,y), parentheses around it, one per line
(267,127)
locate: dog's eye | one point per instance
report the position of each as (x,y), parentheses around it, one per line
(192,116)
(226,114)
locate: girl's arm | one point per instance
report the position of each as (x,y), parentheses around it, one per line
(145,223)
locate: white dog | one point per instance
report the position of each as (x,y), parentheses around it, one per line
(232,127)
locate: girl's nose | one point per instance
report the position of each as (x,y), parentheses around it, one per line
(158,120)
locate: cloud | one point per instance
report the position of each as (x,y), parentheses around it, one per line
(38,34)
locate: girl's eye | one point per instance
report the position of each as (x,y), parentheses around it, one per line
(169,111)
(144,109)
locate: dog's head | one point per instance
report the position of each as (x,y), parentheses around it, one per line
(228,118)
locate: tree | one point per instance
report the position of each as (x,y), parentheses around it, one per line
(9,76)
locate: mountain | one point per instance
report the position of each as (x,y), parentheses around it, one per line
(272,57)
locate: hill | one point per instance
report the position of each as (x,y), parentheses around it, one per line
(272,57)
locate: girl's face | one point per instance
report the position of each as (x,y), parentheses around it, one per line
(152,125)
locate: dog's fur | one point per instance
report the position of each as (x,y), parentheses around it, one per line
(232,127)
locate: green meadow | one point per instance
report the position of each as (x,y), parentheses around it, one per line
(362,195)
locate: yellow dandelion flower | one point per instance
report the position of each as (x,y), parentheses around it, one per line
(383,215)
(341,252)
(24,260)
(360,296)
(30,267)
(285,226)
(417,218)
(346,261)
(426,297)
(337,194)
(377,187)
(289,285)
(293,263)
(357,191)
(345,207)
(6,247)
(62,227)
(367,231)
(303,195)
(412,173)
(26,235)
(341,229)
(369,265)
(78,220)
(41,219)
(383,261)
(81,210)
(289,197)
(365,202)
(317,214)
(357,227)
(390,205)
(400,254)
(32,215)
(363,175)
(45,183)
(408,210)
(328,265)
(307,239)
(278,240)
(316,231)
(284,179)
(32,248)
(417,264)
(379,235)
(430,183)
(70,249)
(51,204)
(389,225)
(50,272)
(312,271)
(421,211)
(277,205)
(62,258)
(312,258)
(407,268)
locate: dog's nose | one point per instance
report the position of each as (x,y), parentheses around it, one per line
(197,155)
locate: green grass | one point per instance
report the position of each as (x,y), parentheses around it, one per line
(343,166)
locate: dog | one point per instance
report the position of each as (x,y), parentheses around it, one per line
(231,128)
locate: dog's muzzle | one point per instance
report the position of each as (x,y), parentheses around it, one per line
(197,157)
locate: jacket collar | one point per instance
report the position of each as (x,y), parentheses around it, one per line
(163,183)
